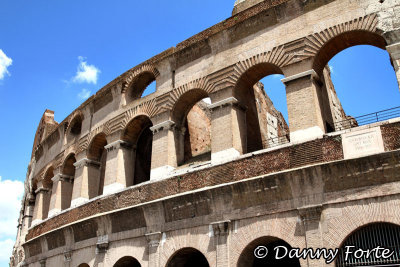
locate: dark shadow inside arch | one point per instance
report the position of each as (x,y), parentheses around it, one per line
(97,153)
(188,257)
(83,265)
(127,262)
(66,190)
(384,235)
(140,138)
(248,259)
(264,123)
(142,85)
(192,127)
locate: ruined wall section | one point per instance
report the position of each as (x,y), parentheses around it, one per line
(198,139)
(273,126)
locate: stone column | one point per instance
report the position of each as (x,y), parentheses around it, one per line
(119,167)
(86,183)
(61,194)
(228,130)
(163,157)
(154,242)
(304,103)
(310,217)
(394,52)
(221,232)
(42,197)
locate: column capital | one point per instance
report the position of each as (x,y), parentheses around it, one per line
(117,145)
(68,255)
(310,213)
(41,190)
(230,101)
(221,228)
(311,73)
(62,178)
(166,125)
(153,239)
(86,162)
(102,244)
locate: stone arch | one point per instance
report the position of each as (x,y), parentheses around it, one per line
(137,81)
(127,261)
(98,155)
(352,217)
(247,257)
(370,236)
(281,226)
(138,150)
(192,143)
(74,126)
(196,238)
(245,90)
(188,257)
(326,44)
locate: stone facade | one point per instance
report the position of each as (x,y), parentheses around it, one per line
(119,182)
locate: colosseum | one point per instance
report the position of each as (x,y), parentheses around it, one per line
(205,171)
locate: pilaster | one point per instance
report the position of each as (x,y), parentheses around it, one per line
(221,232)
(41,202)
(86,183)
(61,193)
(310,217)
(303,93)
(119,167)
(163,157)
(154,241)
(228,130)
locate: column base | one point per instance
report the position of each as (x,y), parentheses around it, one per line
(160,172)
(113,188)
(78,201)
(306,134)
(224,156)
(54,212)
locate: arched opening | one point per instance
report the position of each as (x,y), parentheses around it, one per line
(96,172)
(83,265)
(138,159)
(265,125)
(142,85)
(192,127)
(68,171)
(273,245)
(47,184)
(127,262)
(188,257)
(358,80)
(384,235)
(75,128)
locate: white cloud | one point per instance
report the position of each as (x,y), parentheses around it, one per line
(84,94)
(5,62)
(86,73)
(11,193)
(6,247)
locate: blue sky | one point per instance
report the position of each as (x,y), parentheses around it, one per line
(53,54)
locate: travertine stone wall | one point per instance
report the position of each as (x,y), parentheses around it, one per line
(295,38)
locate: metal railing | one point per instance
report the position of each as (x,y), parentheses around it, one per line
(368,119)
(276,141)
